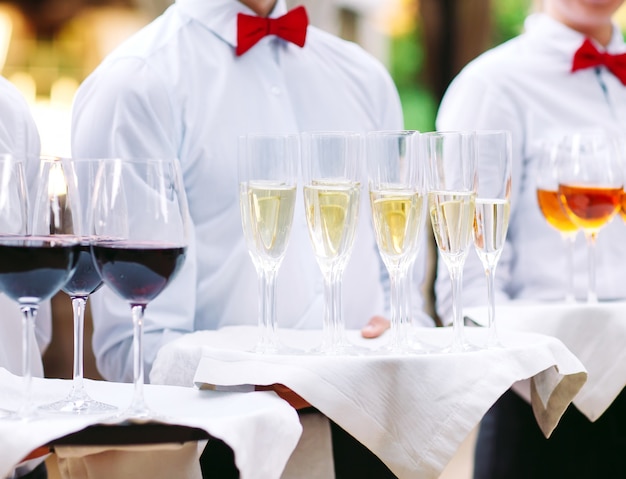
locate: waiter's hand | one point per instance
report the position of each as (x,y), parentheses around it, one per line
(297,402)
(377,326)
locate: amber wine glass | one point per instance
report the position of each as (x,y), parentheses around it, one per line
(332,191)
(397,191)
(590,187)
(451,202)
(268,170)
(552,209)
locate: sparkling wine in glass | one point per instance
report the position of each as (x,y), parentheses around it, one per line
(332,190)
(451,203)
(397,192)
(268,171)
(552,209)
(590,187)
(34,262)
(140,221)
(74,177)
(493,204)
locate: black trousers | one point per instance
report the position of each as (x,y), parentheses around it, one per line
(352,459)
(510,445)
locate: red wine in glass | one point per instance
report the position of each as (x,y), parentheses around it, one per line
(85,279)
(138,272)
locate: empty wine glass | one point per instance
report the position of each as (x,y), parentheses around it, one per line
(74,177)
(140,219)
(493,204)
(590,187)
(397,191)
(268,171)
(552,209)
(33,267)
(332,190)
(451,203)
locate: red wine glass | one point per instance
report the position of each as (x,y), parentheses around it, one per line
(140,219)
(34,262)
(74,177)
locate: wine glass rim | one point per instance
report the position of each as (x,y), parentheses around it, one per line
(332,133)
(393,133)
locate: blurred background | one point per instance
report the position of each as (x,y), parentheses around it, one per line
(47,47)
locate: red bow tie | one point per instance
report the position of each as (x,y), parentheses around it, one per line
(588,56)
(291,27)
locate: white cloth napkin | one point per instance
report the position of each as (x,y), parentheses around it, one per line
(411,411)
(260,427)
(595,333)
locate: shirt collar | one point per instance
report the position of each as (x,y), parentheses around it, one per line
(556,36)
(220,16)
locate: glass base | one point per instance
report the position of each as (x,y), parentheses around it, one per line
(340,348)
(276,348)
(461,347)
(78,404)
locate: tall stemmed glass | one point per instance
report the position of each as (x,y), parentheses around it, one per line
(332,189)
(75,177)
(140,219)
(268,171)
(552,209)
(397,191)
(451,202)
(590,187)
(33,267)
(493,204)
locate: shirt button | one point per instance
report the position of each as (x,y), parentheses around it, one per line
(275,90)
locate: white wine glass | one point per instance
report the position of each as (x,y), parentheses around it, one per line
(451,203)
(553,211)
(35,262)
(590,187)
(493,204)
(331,171)
(268,172)
(397,191)
(73,178)
(141,222)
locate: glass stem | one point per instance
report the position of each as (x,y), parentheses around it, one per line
(29,313)
(333,319)
(267,310)
(570,243)
(138,406)
(458,339)
(592,296)
(398,309)
(78,307)
(492,338)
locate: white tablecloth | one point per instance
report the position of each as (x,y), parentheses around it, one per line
(261,428)
(411,411)
(595,333)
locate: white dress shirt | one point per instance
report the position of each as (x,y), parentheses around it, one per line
(20,138)
(177,89)
(525,86)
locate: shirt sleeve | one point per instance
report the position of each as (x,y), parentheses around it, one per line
(474,102)
(123,110)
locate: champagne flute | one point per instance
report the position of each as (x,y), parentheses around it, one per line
(397,190)
(493,203)
(33,267)
(74,177)
(590,187)
(268,170)
(451,203)
(553,211)
(332,190)
(140,219)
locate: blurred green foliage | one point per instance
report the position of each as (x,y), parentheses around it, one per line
(407,62)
